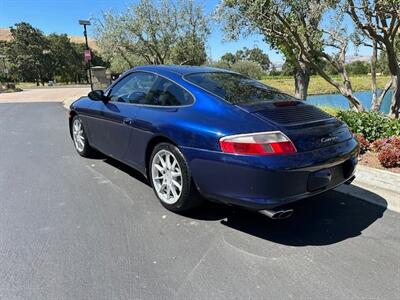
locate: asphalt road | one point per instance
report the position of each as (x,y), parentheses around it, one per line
(75,228)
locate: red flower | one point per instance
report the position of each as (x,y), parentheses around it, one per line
(364,144)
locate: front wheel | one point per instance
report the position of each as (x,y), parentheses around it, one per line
(80,139)
(171,179)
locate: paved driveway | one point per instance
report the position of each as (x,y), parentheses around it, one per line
(49,94)
(75,228)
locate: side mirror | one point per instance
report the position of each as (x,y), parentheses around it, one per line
(98,95)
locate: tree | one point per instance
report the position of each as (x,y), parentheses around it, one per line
(379,20)
(248,68)
(190,50)
(27,53)
(229,58)
(67,59)
(3,61)
(258,56)
(295,28)
(221,64)
(247,16)
(377,100)
(32,56)
(63,56)
(381,62)
(190,46)
(255,55)
(119,64)
(288,68)
(274,71)
(358,68)
(157,32)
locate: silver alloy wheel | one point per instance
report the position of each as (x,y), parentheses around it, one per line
(77,133)
(166,176)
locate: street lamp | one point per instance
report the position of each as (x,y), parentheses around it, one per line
(85,23)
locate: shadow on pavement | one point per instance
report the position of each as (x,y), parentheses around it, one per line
(124,168)
(320,220)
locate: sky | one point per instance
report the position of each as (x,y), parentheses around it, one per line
(61,16)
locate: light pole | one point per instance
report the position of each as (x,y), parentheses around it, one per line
(87,23)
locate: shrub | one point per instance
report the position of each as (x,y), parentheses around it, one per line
(372,125)
(222,64)
(394,140)
(364,144)
(377,145)
(248,68)
(389,156)
(388,151)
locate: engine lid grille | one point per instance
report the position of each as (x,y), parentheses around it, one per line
(292,115)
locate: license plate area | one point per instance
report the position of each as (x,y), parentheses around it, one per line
(319,180)
(327,177)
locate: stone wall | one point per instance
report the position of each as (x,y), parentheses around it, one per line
(100,78)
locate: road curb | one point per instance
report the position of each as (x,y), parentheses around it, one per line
(375,186)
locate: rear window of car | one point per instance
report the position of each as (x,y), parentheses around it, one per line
(236,88)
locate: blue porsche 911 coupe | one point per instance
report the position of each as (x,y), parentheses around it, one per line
(203,131)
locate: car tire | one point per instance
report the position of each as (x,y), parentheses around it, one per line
(79,137)
(171,179)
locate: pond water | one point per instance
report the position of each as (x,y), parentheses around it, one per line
(337,100)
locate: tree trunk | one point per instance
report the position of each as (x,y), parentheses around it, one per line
(395,73)
(395,105)
(377,102)
(375,105)
(345,89)
(354,102)
(301,80)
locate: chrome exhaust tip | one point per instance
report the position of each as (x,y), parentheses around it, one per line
(277,214)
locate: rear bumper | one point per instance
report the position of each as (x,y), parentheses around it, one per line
(266,182)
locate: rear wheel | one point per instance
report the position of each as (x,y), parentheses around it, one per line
(171,180)
(80,139)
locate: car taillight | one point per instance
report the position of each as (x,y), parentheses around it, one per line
(260,143)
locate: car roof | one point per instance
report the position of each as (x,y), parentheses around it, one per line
(180,70)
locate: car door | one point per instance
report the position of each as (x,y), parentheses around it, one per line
(158,115)
(118,114)
(93,121)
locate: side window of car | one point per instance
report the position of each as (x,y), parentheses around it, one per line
(133,88)
(167,93)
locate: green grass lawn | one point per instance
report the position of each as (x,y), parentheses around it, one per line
(318,85)
(27,85)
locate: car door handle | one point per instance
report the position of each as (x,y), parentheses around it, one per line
(127,121)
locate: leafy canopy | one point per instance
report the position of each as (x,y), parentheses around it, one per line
(156,32)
